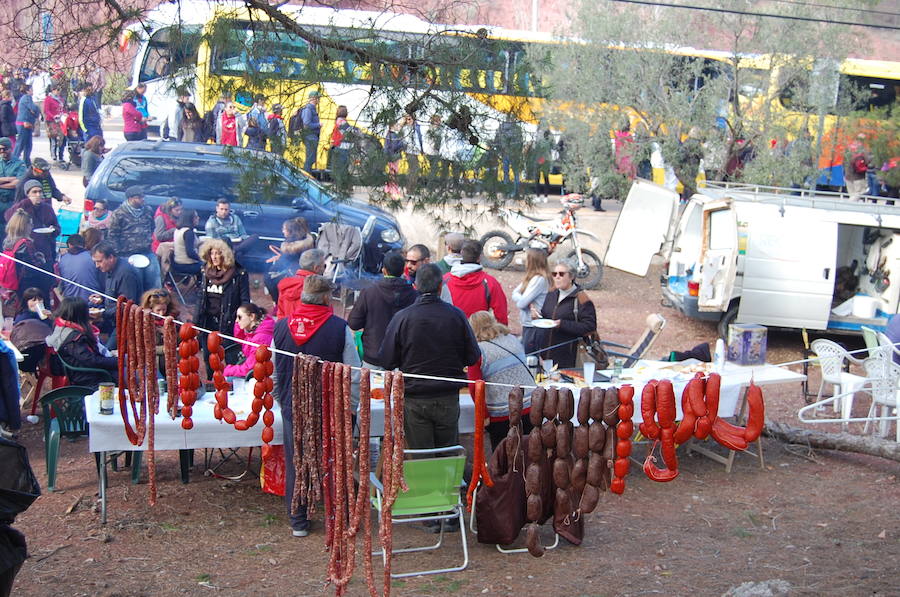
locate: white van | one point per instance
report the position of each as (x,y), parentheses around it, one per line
(746,254)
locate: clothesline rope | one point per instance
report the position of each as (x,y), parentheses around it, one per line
(292,355)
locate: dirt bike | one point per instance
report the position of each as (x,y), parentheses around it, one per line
(500,249)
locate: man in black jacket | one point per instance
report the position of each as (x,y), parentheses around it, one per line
(378,304)
(120,279)
(430,337)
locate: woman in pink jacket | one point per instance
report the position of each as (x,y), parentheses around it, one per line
(135,123)
(254,325)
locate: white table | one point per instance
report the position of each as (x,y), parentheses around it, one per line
(466,415)
(107,432)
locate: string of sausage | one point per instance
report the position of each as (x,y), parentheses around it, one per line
(150,373)
(123,309)
(170,352)
(479,468)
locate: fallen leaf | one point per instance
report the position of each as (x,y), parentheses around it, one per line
(882,534)
(822,524)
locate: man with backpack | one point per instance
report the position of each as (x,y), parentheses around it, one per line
(311,130)
(172,127)
(468,287)
(258,113)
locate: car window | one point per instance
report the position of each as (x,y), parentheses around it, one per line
(175,177)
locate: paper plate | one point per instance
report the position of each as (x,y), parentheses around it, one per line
(45,230)
(543,323)
(139,261)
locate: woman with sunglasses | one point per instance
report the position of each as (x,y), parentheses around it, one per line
(573,314)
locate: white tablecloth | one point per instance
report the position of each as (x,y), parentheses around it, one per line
(107,432)
(734,379)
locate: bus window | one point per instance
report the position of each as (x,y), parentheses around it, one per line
(169,50)
(858,93)
(246,48)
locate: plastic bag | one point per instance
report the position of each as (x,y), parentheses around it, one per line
(271,473)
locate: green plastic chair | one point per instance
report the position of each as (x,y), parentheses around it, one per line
(871,338)
(107,375)
(434,494)
(64,416)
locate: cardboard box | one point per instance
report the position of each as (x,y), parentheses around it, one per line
(747,343)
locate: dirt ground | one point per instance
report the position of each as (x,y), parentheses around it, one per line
(824,523)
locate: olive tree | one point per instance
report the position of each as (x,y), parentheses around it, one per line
(624,66)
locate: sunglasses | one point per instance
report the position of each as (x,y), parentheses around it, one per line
(560,274)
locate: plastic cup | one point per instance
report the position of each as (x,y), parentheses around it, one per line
(589,368)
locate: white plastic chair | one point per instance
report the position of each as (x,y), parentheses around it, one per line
(883,375)
(831,358)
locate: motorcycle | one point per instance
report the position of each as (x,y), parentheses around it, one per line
(499,249)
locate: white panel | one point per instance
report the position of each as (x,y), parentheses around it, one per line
(641,228)
(789,272)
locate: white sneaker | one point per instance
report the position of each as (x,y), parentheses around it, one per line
(300,533)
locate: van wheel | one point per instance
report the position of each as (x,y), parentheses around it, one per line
(727,319)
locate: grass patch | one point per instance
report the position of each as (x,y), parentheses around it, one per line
(741,532)
(203,578)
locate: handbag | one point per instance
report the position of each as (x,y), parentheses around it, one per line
(500,510)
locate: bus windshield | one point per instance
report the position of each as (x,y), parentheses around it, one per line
(168,50)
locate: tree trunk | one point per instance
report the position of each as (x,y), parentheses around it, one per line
(873,446)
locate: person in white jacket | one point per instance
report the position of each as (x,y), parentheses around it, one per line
(529,297)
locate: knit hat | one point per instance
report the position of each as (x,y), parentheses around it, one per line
(32,184)
(40,163)
(134,191)
(5,142)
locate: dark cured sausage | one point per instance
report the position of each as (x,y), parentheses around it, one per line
(516,397)
(584,406)
(536,414)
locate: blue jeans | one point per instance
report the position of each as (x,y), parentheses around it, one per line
(311,144)
(23,144)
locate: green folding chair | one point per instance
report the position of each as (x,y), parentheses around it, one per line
(434,494)
(64,416)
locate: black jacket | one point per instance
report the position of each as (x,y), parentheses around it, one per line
(375,308)
(123,280)
(235,292)
(7,119)
(430,337)
(572,325)
(76,349)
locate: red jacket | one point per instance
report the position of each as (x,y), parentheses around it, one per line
(132,118)
(289,292)
(477,291)
(53,109)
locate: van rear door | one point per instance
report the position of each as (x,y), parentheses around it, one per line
(789,269)
(718,257)
(643,226)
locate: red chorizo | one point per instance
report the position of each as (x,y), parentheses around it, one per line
(665,403)
(756,417)
(688,418)
(713,385)
(648,426)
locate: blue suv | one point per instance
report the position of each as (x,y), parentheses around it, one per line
(264,190)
